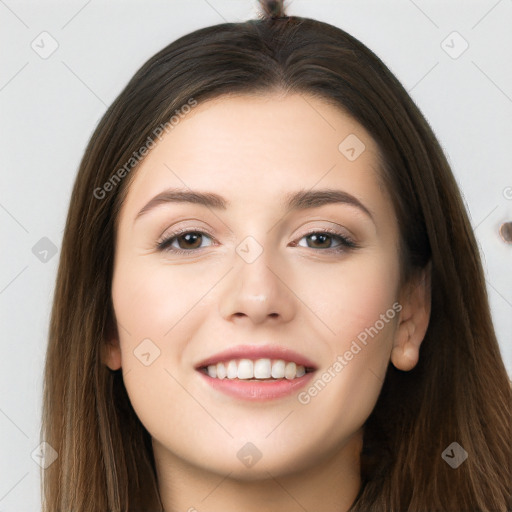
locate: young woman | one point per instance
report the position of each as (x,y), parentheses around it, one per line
(270,296)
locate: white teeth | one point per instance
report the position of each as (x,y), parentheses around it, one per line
(232,370)
(220,370)
(246,369)
(290,370)
(278,369)
(262,369)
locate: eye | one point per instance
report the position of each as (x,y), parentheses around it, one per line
(188,241)
(324,240)
(182,242)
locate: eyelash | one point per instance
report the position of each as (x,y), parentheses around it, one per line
(346,243)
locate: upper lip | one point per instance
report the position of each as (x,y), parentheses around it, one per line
(257,352)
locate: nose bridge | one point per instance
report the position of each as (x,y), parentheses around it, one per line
(255,289)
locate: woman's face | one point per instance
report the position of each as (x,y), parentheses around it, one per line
(258,264)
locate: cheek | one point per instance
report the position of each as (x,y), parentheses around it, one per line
(150,300)
(358,305)
(360,308)
(157,312)
(351,297)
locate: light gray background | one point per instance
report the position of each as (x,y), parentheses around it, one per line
(50,106)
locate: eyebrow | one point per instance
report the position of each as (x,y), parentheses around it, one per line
(300,200)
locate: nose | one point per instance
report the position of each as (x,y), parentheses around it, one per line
(256,293)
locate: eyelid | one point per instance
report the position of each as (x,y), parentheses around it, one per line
(179,231)
(186,229)
(346,242)
(332,231)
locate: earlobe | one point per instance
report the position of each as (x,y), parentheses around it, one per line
(414,319)
(111,354)
(111,351)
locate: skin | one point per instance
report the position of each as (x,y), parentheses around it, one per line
(252,150)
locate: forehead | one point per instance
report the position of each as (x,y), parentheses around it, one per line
(255,148)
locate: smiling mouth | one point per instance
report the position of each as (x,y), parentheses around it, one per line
(256,370)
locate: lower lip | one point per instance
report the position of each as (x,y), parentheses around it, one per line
(253,390)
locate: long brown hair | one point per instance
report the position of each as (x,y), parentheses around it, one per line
(458,392)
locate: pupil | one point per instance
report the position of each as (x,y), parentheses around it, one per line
(195,236)
(315,238)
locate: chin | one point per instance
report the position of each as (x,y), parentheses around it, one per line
(251,464)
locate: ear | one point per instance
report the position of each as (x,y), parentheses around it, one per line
(111,350)
(415,298)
